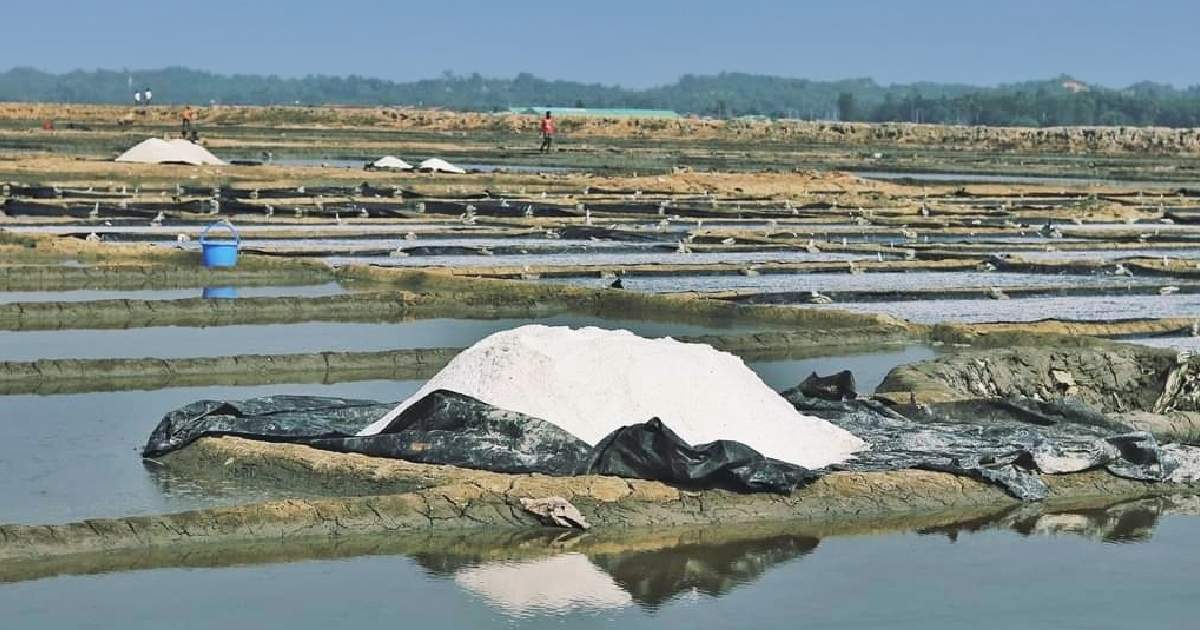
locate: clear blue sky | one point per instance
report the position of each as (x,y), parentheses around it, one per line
(631,43)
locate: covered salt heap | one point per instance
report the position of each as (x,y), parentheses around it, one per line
(590,382)
(568,402)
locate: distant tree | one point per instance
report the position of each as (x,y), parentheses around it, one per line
(1044,103)
(845,106)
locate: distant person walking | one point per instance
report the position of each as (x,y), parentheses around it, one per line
(547,129)
(149,96)
(187,119)
(137,99)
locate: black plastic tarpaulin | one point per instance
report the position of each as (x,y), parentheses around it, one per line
(451,428)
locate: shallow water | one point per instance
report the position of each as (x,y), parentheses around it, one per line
(171,230)
(73,456)
(1097,307)
(996,178)
(359,164)
(1112,254)
(869,368)
(433,241)
(597,258)
(825,282)
(188,341)
(1190,344)
(1089,569)
(315,290)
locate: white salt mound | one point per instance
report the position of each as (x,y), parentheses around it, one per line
(590,382)
(393,162)
(438,165)
(157,151)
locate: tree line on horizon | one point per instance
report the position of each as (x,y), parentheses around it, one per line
(1052,102)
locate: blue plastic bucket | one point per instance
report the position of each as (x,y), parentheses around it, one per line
(219,253)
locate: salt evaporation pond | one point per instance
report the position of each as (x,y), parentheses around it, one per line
(1111,254)
(66,457)
(1089,569)
(869,368)
(874,281)
(191,341)
(434,241)
(86,295)
(1000,178)
(170,230)
(596,258)
(1189,344)
(1098,307)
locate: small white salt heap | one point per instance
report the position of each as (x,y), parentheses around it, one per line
(438,165)
(590,382)
(392,162)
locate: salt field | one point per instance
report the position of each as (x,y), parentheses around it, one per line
(877,281)
(734,351)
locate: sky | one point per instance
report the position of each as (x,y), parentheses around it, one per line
(621,42)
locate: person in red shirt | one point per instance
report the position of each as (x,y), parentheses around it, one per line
(547,129)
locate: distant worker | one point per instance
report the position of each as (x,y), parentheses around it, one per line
(149,96)
(186,119)
(547,129)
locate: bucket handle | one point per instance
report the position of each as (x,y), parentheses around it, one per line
(237,240)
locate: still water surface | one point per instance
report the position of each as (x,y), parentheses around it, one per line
(191,341)
(1130,567)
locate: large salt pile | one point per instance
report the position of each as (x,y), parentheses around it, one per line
(156,151)
(590,382)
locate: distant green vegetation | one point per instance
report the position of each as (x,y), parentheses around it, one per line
(1060,101)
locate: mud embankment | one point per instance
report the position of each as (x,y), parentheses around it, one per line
(1138,387)
(454,499)
(358,307)
(663,552)
(135,277)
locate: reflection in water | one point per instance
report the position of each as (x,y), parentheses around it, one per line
(1122,523)
(573,580)
(655,577)
(598,580)
(561,583)
(220,293)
